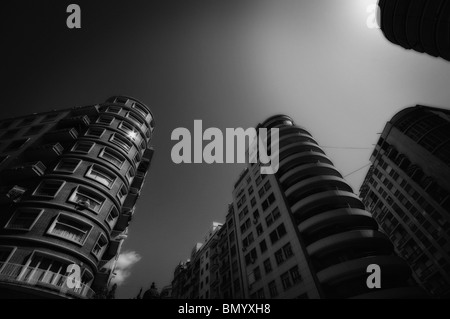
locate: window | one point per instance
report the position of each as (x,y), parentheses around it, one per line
(70,229)
(267,185)
(250,190)
(267,265)
(140,109)
(101,175)
(131,173)
(112,156)
(250,258)
(287,250)
(295,275)
(286,280)
(122,193)
(279,232)
(269,201)
(86,198)
(259,229)
(100,246)
(248,240)
(263,246)
(113,109)
(5,254)
(257,273)
(273,289)
(246,225)
(83,147)
(121,141)
(279,257)
(67,165)
(253,202)
(95,132)
(106,120)
(24,219)
(112,217)
(135,118)
(15,145)
(137,158)
(126,127)
(258,180)
(48,188)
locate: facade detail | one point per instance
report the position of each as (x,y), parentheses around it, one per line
(302,232)
(69,182)
(407,189)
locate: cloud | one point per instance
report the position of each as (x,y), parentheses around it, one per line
(124,264)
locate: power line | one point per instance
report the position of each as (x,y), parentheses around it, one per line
(357,170)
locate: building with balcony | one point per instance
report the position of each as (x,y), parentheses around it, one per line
(407,189)
(420,25)
(302,232)
(69,182)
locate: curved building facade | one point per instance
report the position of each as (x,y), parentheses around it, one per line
(68,192)
(420,25)
(303,233)
(407,189)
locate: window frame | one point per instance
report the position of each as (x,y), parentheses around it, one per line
(76,191)
(24,209)
(101,170)
(76,219)
(46,181)
(58,169)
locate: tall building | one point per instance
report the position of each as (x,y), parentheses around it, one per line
(193,279)
(420,25)
(302,232)
(69,182)
(407,190)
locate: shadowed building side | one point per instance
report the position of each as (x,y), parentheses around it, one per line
(420,25)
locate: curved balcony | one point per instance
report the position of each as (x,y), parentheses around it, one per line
(325,201)
(46,284)
(277,120)
(307,171)
(352,240)
(392,266)
(314,185)
(299,159)
(297,147)
(344,217)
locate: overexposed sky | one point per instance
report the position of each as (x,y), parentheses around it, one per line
(231,64)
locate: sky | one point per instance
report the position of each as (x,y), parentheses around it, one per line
(228,63)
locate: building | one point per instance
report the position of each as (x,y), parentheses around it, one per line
(193,278)
(69,182)
(420,25)
(302,232)
(407,190)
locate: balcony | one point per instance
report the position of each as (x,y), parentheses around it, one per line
(43,282)
(24,171)
(11,194)
(112,250)
(122,222)
(131,199)
(63,135)
(44,152)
